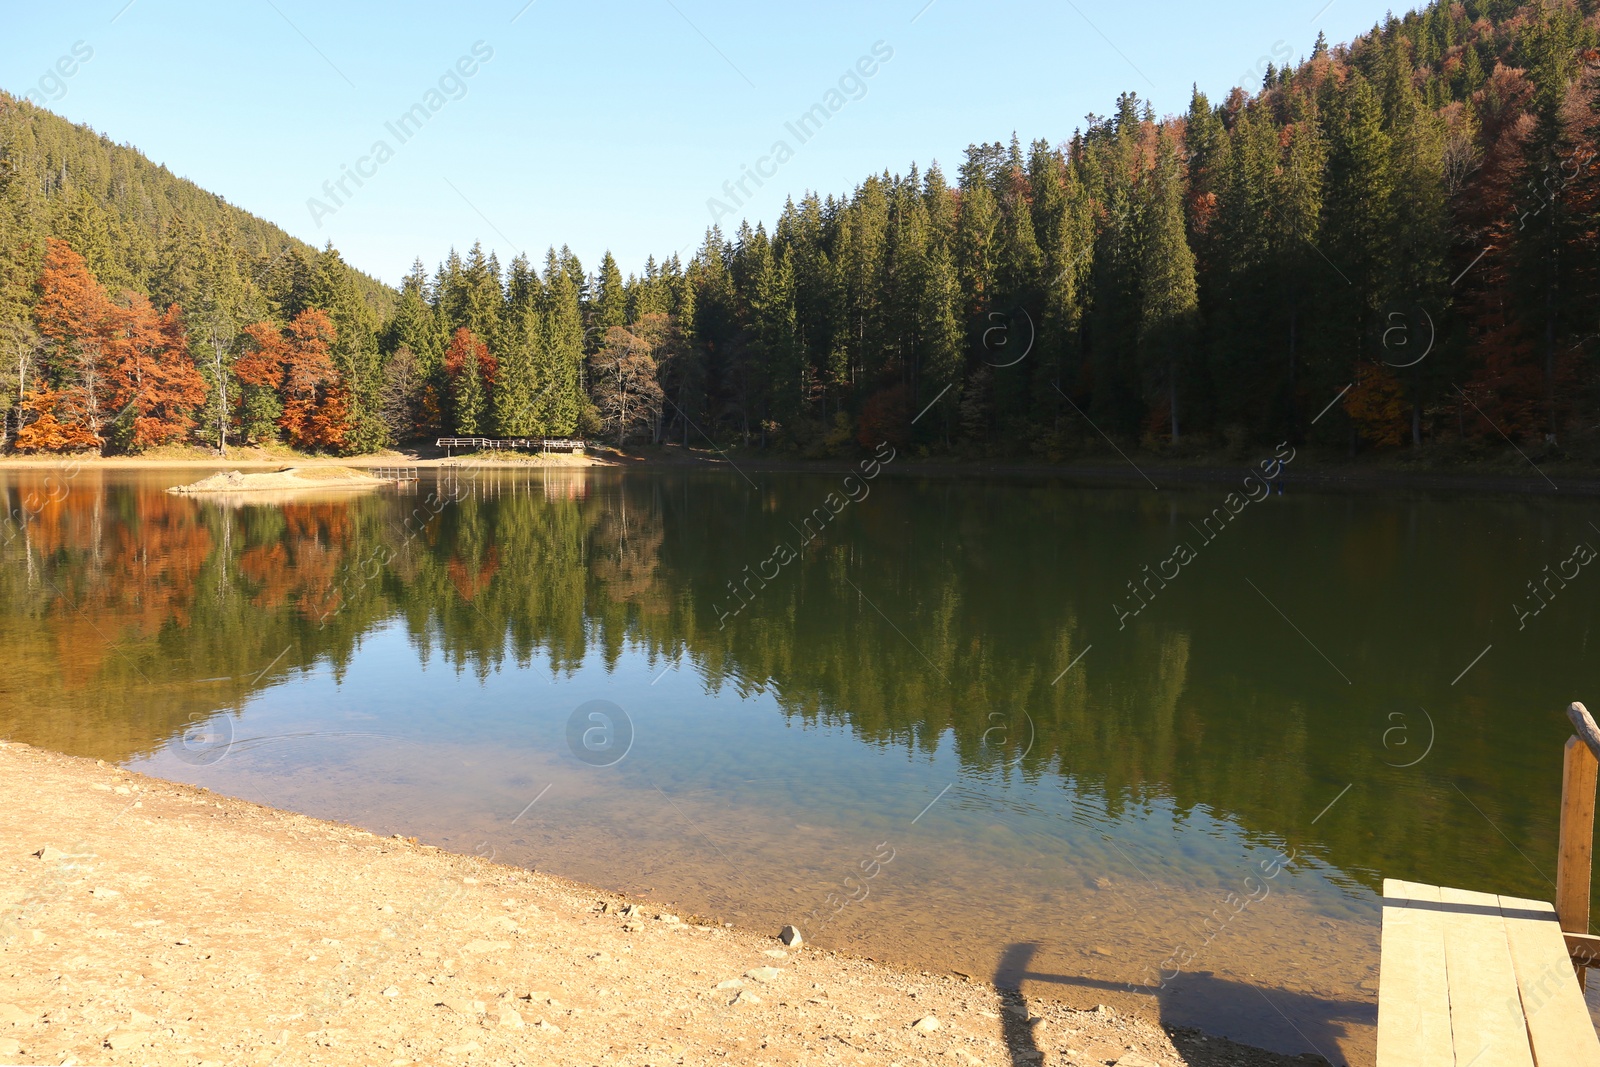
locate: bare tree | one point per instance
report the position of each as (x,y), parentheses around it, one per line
(401,394)
(19,343)
(624,374)
(219,368)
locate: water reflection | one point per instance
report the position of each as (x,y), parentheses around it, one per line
(942,669)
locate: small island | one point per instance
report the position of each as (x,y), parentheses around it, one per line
(288,478)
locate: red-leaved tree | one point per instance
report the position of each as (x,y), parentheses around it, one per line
(118,372)
(150,375)
(295,365)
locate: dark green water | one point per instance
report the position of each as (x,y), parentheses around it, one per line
(937,735)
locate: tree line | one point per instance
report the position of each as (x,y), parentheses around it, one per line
(1393,243)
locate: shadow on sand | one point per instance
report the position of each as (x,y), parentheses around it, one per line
(1277,1018)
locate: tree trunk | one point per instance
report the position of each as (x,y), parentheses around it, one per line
(683,411)
(222,397)
(1172,400)
(1550,348)
(1294,326)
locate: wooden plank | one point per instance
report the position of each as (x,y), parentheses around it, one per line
(1559,1028)
(1583,948)
(1413,1001)
(1576,857)
(1581,721)
(1485,1007)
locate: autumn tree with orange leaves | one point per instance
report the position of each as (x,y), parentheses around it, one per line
(291,383)
(471,370)
(154,386)
(115,373)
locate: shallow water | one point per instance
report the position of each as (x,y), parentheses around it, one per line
(938,735)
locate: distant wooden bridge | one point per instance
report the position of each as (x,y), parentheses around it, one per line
(517,444)
(1484,980)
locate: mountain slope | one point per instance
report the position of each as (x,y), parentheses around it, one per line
(137,224)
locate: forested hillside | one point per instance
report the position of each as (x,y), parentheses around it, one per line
(1393,244)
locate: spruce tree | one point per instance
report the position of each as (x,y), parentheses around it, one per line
(558,364)
(610,300)
(517,382)
(1358,217)
(943,342)
(1167,320)
(330,287)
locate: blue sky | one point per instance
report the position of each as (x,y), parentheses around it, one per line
(606,124)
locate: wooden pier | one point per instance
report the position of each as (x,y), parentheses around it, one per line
(517,444)
(1479,980)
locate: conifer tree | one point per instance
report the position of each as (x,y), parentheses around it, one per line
(610,301)
(559,401)
(517,385)
(1167,321)
(943,336)
(1358,214)
(472,371)
(330,288)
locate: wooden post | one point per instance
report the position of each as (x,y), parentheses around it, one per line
(1576,857)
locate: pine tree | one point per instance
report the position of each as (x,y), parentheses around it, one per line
(976,251)
(1358,215)
(940,327)
(1419,242)
(610,301)
(1300,277)
(518,386)
(1065,229)
(560,400)
(415,328)
(1167,321)
(330,287)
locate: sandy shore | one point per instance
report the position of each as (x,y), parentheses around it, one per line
(257,459)
(148,922)
(1322,473)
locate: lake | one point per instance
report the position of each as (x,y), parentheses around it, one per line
(1006,727)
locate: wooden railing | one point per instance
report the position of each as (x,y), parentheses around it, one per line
(1575,860)
(519,444)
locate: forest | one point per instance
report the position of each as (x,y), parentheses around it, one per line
(1388,246)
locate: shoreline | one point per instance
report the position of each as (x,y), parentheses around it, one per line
(1309,472)
(151,922)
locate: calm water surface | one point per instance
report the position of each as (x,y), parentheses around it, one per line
(926,725)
